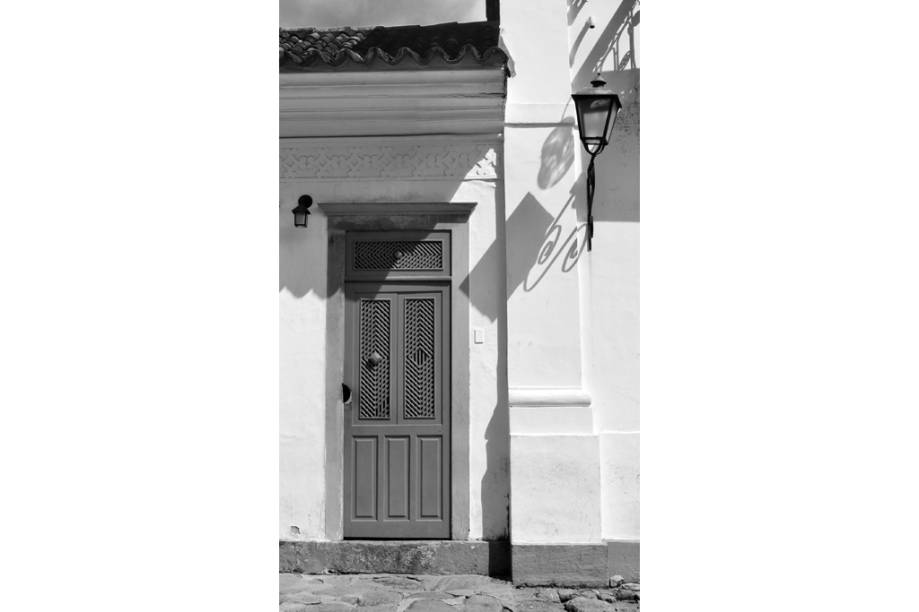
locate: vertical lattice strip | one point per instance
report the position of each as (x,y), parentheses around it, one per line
(419,358)
(374,379)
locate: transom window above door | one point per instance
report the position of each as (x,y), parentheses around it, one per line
(379,254)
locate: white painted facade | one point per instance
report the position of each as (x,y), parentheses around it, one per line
(413,166)
(572,325)
(553,386)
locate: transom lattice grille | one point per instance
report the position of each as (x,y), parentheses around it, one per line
(419,359)
(398,255)
(374,344)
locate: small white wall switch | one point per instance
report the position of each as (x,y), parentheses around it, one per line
(478,335)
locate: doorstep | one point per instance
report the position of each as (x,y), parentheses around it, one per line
(438,557)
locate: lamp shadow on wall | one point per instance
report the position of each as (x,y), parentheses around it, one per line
(560,243)
(557,154)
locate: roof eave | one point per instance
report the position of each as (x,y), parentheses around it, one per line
(392,102)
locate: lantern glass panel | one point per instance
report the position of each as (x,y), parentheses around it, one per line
(594,117)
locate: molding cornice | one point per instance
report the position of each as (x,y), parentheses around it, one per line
(440,209)
(394,158)
(547,396)
(392,102)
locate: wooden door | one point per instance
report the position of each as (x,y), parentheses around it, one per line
(397,422)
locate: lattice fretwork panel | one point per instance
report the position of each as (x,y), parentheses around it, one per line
(419,358)
(398,255)
(374,359)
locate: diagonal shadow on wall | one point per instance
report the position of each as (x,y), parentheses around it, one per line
(573,52)
(527,223)
(561,248)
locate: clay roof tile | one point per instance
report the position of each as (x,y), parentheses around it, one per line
(441,44)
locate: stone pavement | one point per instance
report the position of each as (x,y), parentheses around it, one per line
(406,593)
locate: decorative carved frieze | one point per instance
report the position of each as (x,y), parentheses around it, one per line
(426,161)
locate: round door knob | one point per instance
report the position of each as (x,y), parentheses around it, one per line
(374,359)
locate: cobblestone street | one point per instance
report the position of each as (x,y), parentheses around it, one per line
(406,593)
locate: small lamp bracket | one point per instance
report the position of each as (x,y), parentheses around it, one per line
(301,211)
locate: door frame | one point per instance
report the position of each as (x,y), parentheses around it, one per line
(342,217)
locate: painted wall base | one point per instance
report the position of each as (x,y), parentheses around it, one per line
(396,557)
(574,565)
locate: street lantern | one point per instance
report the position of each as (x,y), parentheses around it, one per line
(301,211)
(596,109)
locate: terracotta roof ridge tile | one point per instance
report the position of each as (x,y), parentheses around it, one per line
(450,43)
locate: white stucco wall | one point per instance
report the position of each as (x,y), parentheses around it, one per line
(573,322)
(557,416)
(302,380)
(303,316)
(555,460)
(613,368)
(612,313)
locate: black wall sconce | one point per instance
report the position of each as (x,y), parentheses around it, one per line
(302,211)
(596,108)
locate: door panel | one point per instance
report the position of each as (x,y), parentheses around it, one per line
(365,469)
(398,472)
(397,467)
(430,484)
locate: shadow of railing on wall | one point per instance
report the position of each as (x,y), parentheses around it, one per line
(617,39)
(574,7)
(560,243)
